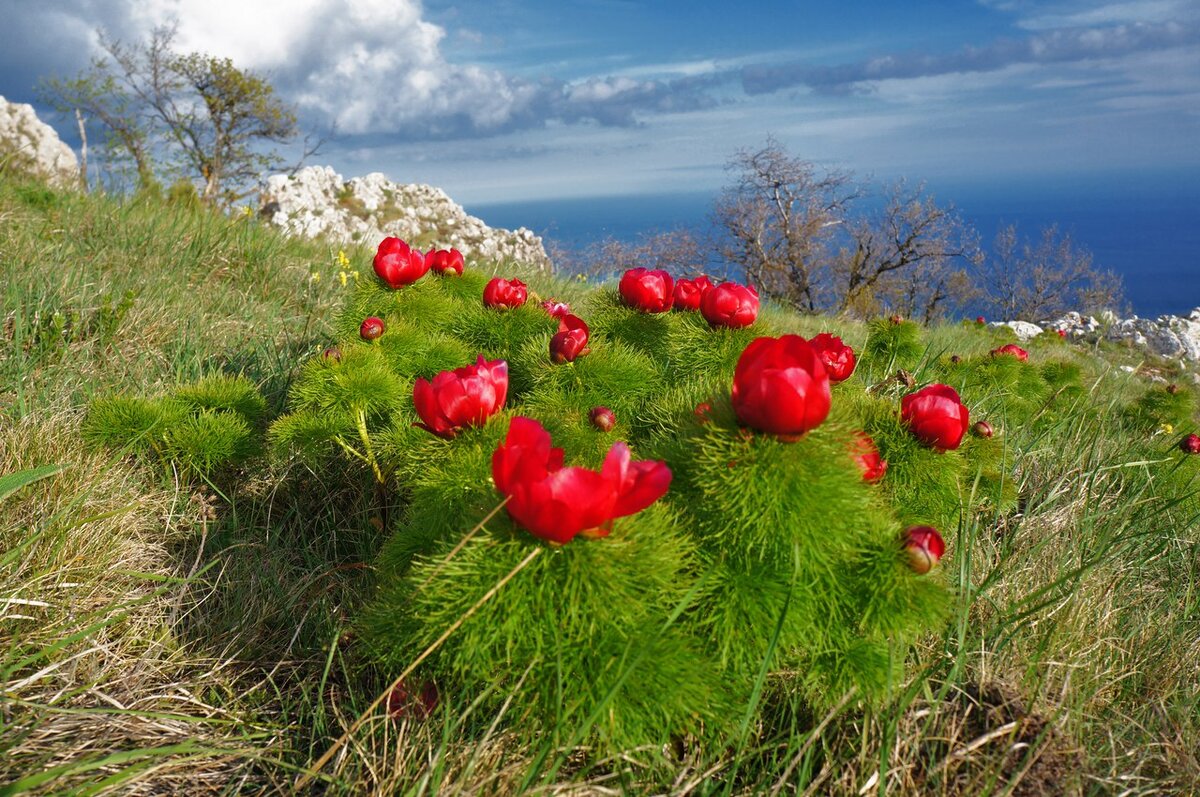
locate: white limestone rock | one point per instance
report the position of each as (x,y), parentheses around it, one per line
(317,201)
(1024,329)
(30,145)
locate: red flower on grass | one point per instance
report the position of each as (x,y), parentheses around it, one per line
(1013,349)
(502,293)
(936,416)
(570,341)
(371,328)
(466,396)
(780,386)
(730,305)
(398,264)
(867,457)
(650,291)
(603,418)
(557,503)
(838,358)
(404,703)
(688,293)
(924,546)
(446,260)
(1190,444)
(556,309)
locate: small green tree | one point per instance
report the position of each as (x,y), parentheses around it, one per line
(168,112)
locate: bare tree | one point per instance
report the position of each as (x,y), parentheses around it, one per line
(913,257)
(778,218)
(1034,280)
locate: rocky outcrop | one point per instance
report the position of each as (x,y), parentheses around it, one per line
(30,146)
(317,201)
(1169,336)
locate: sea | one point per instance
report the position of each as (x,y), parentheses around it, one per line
(1146,230)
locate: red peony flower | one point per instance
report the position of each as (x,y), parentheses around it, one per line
(466,396)
(1190,444)
(333,354)
(646,290)
(1013,349)
(925,547)
(703,412)
(444,260)
(371,328)
(570,341)
(555,503)
(503,293)
(397,264)
(936,416)
(867,457)
(688,293)
(780,386)
(730,305)
(1062,333)
(982,429)
(837,357)
(980,320)
(603,418)
(556,309)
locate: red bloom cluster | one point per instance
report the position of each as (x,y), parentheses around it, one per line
(555,503)
(650,291)
(936,416)
(1013,349)
(730,305)
(838,358)
(689,292)
(398,264)
(502,293)
(466,396)
(445,260)
(924,546)
(867,457)
(780,386)
(570,341)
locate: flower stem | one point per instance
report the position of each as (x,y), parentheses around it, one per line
(369,458)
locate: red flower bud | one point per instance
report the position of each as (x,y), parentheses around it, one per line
(332,355)
(1013,349)
(397,264)
(688,293)
(646,290)
(446,260)
(1190,444)
(570,341)
(603,418)
(837,357)
(556,309)
(936,416)
(371,328)
(867,457)
(503,293)
(1062,333)
(925,547)
(954,358)
(980,320)
(403,701)
(703,412)
(896,319)
(730,305)
(780,386)
(982,429)
(466,396)
(555,503)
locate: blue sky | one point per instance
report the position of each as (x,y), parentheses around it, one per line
(535,99)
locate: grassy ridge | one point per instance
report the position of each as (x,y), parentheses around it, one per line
(162,637)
